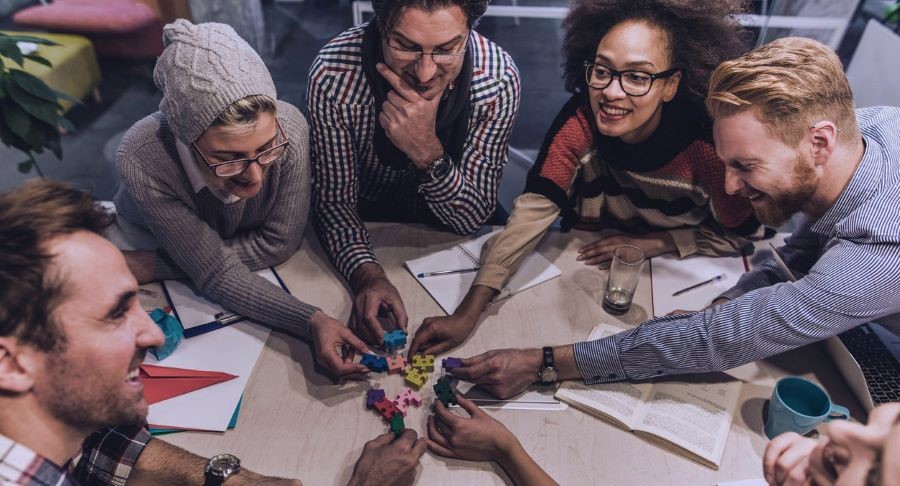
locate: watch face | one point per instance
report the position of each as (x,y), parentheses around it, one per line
(224,464)
(548,375)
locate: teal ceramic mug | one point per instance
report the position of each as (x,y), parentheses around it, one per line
(798,405)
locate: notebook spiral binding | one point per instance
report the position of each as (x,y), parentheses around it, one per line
(470,256)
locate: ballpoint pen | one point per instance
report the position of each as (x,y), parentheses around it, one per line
(705,282)
(447,272)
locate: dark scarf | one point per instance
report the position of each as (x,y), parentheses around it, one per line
(452,120)
(681,124)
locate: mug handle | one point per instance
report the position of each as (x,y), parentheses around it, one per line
(842,413)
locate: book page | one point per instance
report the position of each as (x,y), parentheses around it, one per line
(695,416)
(621,401)
(670,275)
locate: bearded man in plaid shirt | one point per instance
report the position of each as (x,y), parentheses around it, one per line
(410,118)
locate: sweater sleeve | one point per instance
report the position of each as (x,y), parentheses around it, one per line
(189,244)
(503,253)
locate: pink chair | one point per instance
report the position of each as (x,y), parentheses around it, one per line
(118,28)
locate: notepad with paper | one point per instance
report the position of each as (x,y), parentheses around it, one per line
(197,314)
(669,275)
(691,419)
(449,290)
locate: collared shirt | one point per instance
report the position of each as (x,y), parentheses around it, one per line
(346,169)
(196,176)
(106,458)
(848,262)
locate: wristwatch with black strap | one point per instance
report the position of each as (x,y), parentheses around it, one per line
(219,468)
(548,373)
(439,167)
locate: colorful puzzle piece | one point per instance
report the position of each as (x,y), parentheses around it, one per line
(401,406)
(386,408)
(397,424)
(374,363)
(172,330)
(423,361)
(394,340)
(451,363)
(372,396)
(410,397)
(396,364)
(444,391)
(416,378)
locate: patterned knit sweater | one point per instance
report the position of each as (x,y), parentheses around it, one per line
(673,182)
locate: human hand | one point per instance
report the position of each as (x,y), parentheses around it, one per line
(375,296)
(601,251)
(141,263)
(388,461)
(477,438)
(408,120)
(504,372)
(441,333)
(335,345)
(786,460)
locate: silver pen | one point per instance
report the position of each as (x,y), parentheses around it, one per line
(447,272)
(701,284)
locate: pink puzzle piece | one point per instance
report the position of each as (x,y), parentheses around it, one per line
(401,406)
(410,397)
(396,364)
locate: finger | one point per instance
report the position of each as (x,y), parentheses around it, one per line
(790,458)
(439,449)
(398,310)
(370,320)
(406,440)
(469,406)
(821,467)
(391,110)
(333,361)
(589,246)
(798,475)
(419,448)
(437,346)
(382,440)
(597,260)
(396,101)
(775,448)
(445,417)
(436,435)
(422,338)
(477,373)
(397,82)
(354,342)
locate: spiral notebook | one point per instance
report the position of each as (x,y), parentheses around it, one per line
(449,290)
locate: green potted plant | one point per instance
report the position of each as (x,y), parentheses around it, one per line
(30,114)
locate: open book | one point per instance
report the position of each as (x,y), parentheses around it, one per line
(449,290)
(692,419)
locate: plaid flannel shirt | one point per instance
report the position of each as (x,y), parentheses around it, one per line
(106,458)
(347,173)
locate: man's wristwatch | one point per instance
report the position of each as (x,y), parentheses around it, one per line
(439,167)
(548,373)
(220,467)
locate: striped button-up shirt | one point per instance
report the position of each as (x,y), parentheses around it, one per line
(347,172)
(106,458)
(848,264)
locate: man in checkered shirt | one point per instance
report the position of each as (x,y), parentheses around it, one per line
(72,336)
(410,116)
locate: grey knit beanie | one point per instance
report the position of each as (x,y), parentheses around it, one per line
(203,70)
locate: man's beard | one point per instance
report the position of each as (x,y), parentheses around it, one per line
(783,205)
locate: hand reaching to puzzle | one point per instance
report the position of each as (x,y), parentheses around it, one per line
(504,372)
(389,461)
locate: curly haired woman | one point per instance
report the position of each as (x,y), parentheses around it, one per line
(631,150)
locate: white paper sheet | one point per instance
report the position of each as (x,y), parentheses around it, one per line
(193,308)
(232,349)
(449,290)
(669,275)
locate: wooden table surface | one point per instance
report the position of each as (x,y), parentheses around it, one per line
(296,422)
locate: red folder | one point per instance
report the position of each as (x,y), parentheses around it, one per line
(163,382)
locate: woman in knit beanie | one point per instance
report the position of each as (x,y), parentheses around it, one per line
(216,185)
(631,150)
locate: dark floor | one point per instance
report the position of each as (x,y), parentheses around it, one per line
(297,31)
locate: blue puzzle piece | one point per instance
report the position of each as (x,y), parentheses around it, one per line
(395,339)
(171,328)
(374,363)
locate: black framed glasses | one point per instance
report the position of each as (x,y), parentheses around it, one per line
(231,168)
(633,83)
(439,57)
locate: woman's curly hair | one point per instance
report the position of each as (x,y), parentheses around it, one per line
(701,34)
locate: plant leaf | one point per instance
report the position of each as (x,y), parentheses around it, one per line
(39,60)
(18,121)
(55,146)
(66,125)
(64,96)
(39,108)
(28,38)
(32,85)
(12,51)
(25,166)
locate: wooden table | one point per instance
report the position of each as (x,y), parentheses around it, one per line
(295,422)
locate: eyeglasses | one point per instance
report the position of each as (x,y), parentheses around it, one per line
(633,83)
(439,57)
(265,158)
